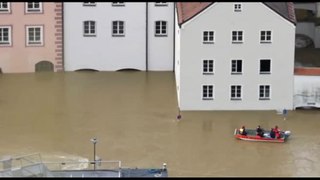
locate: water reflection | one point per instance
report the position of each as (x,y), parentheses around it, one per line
(133,114)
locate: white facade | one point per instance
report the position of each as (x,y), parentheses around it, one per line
(105,52)
(221,18)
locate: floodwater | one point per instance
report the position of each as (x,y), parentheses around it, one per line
(133,116)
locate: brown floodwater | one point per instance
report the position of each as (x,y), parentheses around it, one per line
(133,116)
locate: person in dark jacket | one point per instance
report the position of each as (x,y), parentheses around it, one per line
(272,133)
(260,131)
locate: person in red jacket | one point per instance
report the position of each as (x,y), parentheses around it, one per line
(277,131)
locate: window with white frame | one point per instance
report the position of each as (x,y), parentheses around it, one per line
(207,92)
(89,28)
(236,92)
(208,66)
(5,35)
(208,37)
(237,7)
(161,28)
(33,7)
(237,36)
(264,92)
(4,7)
(117,3)
(236,66)
(265,66)
(265,36)
(89,4)
(117,28)
(34,35)
(161,3)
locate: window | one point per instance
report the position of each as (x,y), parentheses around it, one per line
(117,3)
(33,7)
(160,28)
(264,92)
(207,92)
(236,66)
(265,36)
(235,92)
(5,35)
(34,35)
(207,66)
(117,28)
(265,66)
(237,7)
(208,37)
(161,4)
(89,28)
(4,7)
(89,4)
(237,36)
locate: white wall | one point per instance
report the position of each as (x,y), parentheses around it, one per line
(160,49)
(221,18)
(104,52)
(306,91)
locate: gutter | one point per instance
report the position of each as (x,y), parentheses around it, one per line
(147,33)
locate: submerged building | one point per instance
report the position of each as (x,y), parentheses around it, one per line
(235,56)
(30,37)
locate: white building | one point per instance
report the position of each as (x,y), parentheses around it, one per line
(235,56)
(110,36)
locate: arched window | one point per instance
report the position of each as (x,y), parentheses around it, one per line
(44,66)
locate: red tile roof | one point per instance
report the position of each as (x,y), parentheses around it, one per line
(307,71)
(187,10)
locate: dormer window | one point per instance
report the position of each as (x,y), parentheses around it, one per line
(89,4)
(161,4)
(117,3)
(237,7)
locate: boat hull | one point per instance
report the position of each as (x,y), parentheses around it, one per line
(251,136)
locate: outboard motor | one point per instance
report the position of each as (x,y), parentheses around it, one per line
(287,133)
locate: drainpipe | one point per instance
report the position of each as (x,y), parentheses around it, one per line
(147,32)
(63,66)
(174,36)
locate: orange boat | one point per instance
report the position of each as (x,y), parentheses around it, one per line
(252,136)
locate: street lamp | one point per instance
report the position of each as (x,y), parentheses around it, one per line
(94,141)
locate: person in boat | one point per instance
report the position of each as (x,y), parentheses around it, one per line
(260,131)
(243,131)
(277,132)
(272,133)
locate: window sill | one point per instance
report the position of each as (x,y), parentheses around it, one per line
(89,35)
(264,99)
(208,73)
(118,35)
(207,99)
(265,73)
(265,42)
(235,99)
(237,42)
(236,73)
(160,35)
(161,5)
(34,45)
(208,42)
